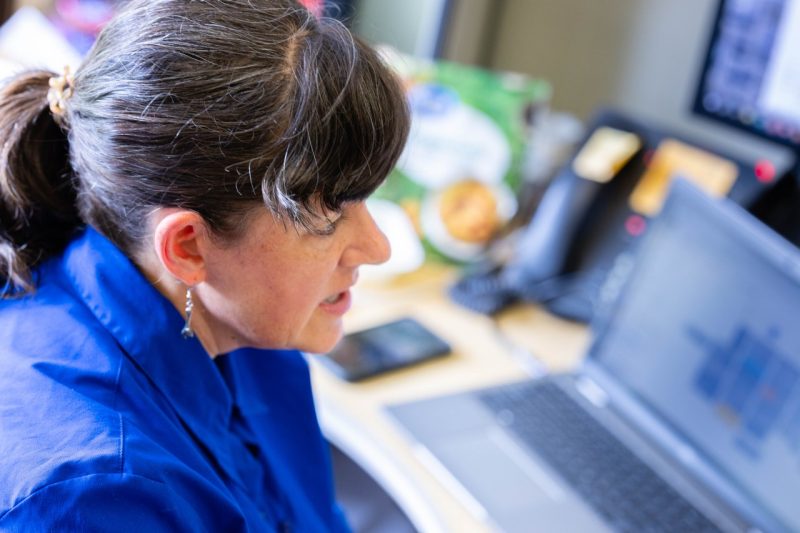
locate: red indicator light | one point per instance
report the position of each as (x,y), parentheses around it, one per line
(635,225)
(647,157)
(765,171)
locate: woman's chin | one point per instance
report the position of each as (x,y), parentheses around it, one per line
(325,347)
(321,342)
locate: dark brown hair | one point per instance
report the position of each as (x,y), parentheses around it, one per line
(215,106)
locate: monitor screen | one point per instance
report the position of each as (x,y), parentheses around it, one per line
(751,75)
(706,334)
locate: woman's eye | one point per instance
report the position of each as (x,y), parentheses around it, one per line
(330,228)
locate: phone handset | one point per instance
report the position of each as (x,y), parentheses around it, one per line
(543,247)
(542,250)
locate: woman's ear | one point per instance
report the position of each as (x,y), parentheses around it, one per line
(180,239)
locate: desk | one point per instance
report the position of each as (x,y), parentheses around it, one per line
(484,353)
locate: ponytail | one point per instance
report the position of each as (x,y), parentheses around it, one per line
(37,196)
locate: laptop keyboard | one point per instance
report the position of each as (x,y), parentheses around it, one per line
(617,484)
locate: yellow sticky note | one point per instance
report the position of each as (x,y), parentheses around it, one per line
(605,153)
(711,173)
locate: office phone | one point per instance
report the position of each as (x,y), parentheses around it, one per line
(597,206)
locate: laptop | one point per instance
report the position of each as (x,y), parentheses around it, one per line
(685,414)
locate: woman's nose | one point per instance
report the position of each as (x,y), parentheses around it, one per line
(370,245)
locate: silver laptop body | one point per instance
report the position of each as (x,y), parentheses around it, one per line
(694,373)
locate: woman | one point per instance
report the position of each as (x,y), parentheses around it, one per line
(177,219)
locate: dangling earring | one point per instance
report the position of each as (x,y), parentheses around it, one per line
(187,330)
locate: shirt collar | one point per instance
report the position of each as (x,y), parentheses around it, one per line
(148,327)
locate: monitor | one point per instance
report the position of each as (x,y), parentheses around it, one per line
(751,74)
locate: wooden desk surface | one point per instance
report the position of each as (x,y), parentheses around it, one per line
(353,416)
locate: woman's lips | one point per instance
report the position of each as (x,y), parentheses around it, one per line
(338,304)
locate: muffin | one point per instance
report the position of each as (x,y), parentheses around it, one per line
(468,210)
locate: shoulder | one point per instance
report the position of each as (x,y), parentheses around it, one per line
(58,377)
(56,423)
(76,456)
(86,435)
(51,348)
(51,320)
(99,502)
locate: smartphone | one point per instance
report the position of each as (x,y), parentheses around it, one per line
(376,350)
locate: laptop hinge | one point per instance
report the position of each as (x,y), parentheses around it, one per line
(591,391)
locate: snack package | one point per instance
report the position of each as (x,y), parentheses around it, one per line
(460,170)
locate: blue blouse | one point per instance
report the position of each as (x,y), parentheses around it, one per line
(110,420)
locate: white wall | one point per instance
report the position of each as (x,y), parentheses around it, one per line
(578,45)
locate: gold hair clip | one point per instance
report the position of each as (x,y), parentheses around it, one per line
(59,92)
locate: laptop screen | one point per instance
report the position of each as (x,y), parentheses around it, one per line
(706,332)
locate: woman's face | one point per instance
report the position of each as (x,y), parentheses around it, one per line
(282,287)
